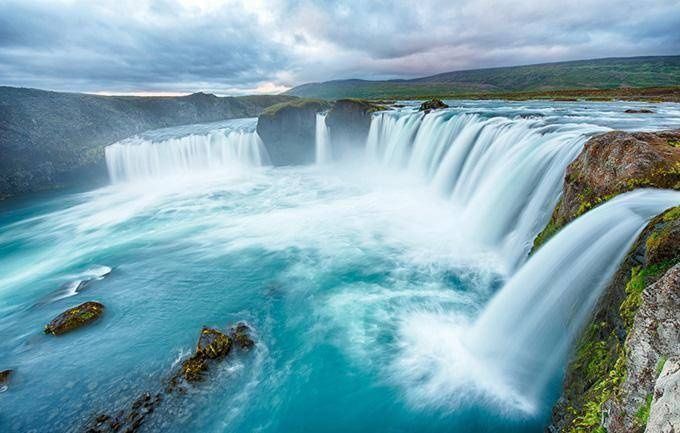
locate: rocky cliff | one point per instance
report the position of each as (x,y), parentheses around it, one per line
(50,139)
(612,381)
(288,129)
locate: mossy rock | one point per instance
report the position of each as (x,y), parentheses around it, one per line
(75,317)
(213,344)
(194,367)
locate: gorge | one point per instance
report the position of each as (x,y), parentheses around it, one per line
(400,270)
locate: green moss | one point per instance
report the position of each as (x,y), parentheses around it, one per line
(674,143)
(659,364)
(317,104)
(639,279)
(642,415)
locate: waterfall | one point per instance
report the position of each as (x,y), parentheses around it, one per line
(525,333)
(323,140)
(182,150)
(505,175)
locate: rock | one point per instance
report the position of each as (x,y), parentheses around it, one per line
(611,164)
(241,335)
(641,111)
(4,379)
(349,121)
(659,312)
(288,130)
(664,413)
(213,344)
(74,318)
(432,104)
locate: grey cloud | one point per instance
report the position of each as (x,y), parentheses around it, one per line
(170,45)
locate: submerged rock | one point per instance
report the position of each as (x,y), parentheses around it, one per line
(4,379)
(74,318)
(641,111)
(611,164)
(241,335)
(432,104)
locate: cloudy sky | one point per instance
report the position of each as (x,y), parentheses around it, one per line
(267,46)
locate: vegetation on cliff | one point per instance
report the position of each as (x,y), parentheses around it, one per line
(610,381)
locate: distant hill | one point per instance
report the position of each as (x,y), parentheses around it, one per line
(657,71)
(52,139)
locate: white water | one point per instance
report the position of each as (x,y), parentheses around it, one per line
(526,331)
(323,140)
(227,146)
(504,174)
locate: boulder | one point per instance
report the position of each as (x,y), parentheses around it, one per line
(432,104)
(74,318)
(664,413)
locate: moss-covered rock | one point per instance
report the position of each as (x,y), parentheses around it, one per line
(611,164)
(213,344)
(612,374)
(75,317)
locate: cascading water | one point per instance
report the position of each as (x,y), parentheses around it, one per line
(525,333)
(222,146)
(324,153)
(504,174)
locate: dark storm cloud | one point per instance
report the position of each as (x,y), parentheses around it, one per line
(250,45)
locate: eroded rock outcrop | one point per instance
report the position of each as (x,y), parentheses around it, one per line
(288,130)
(75,318)
(611,164)
(349,121)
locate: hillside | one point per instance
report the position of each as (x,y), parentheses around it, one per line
(609,73)
(50,139)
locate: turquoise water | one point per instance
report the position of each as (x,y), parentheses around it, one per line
(331,274)
(358,281)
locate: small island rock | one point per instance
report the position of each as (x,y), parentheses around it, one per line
(74,318)
(432,104)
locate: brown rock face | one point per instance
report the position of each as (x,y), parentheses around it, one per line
(611,164)
(74,318)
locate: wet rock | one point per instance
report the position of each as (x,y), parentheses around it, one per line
(641,111)
(127,421)
(432,104)
(241,336)
(4,379)
(193,368)
(213,343)
(75,317)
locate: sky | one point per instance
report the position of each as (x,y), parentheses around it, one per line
(234,47)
